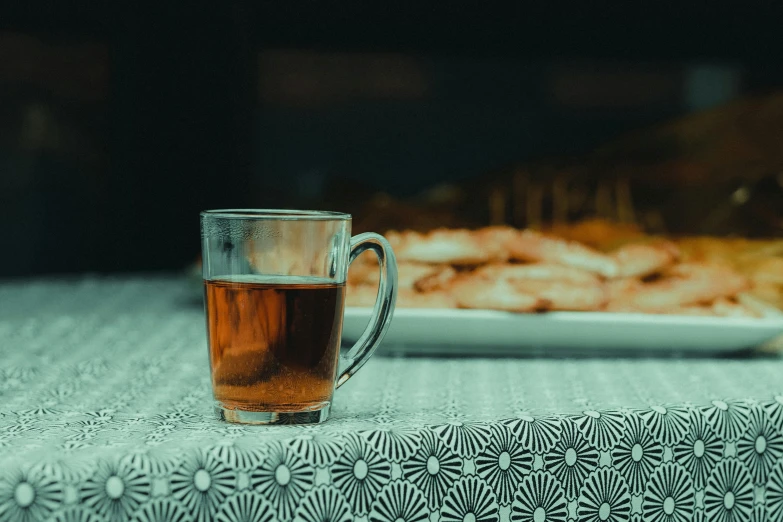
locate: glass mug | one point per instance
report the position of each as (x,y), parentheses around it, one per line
(274,292)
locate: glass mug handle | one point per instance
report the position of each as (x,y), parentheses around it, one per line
(384,303)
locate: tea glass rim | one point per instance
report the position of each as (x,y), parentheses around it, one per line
(276,214)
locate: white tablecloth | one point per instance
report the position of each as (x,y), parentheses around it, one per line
(106,413)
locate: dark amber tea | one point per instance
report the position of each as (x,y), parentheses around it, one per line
(274,343)
(274,287)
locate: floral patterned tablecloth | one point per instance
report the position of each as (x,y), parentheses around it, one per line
(105,414)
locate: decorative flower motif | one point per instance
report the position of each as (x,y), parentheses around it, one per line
(76,514)
(238,454)
(115,491)
(466,440)
(28,496)
(394,444)
(604,497)
(728,419)
(160,435)
(316,449)
(71,471)
(360,473)
(246,506)
(760,446)
(759,513)
(537,435)
(19,374)
(539,497)
(774,410)
(72,445)
(36,412)
(571,460)
(667,425)
(162,510)
(92,419)
(201,483)
(61,392)
(91,368)
(434,468)
(699,451)
(728,496)
(669,496)
(399,501)
(21,426)
(470,498)
(84,430)
(154,461)
(177,417)
(503,464)
(135,425)
(232,431)
(323,504)
(102,416)
(283,479)
(774,496)
(637,454)
(601,429)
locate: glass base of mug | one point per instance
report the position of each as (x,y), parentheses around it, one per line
(314,415)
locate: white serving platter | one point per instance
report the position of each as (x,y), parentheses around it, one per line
(491,333)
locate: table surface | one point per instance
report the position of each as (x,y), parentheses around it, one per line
(106,413)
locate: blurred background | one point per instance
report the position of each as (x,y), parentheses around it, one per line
(118,124)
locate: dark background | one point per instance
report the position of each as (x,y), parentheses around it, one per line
(119,124)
